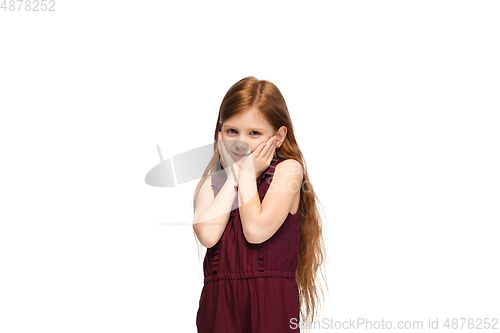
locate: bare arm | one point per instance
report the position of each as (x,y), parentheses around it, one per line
(260,221)
(212,214)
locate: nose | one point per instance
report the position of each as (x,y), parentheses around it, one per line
(241,147)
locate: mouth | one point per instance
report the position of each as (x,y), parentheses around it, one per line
(240,155)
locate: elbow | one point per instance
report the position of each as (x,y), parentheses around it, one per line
(257,232)
(209,242)
(205,239)
(251,231)
(252,237)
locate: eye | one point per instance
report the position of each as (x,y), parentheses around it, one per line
(235,131)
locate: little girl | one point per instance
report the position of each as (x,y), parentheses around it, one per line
(255,212)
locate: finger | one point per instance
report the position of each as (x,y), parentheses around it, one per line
(256,153)
(227,156)
(269,148)
(270,153)
(224,154)
(223,160)
(218,148)
(218,144)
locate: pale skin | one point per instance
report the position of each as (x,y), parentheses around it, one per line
(248,133)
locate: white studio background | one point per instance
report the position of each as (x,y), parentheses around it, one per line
(395,107)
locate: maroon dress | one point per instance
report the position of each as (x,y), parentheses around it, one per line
(251,288)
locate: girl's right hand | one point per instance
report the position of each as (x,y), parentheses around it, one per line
(228,164)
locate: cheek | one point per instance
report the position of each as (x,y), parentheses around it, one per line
(255,146)
(228,141)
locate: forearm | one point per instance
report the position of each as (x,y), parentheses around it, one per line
(212,221)
(250,205)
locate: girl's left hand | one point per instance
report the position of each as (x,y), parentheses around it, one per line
(260,159)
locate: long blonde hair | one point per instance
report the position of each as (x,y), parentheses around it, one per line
(266,97)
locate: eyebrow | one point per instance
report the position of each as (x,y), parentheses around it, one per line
(254,128)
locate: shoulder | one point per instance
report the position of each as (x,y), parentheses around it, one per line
(290,164)
(290,168)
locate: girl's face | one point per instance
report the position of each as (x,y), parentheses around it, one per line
(245,132)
